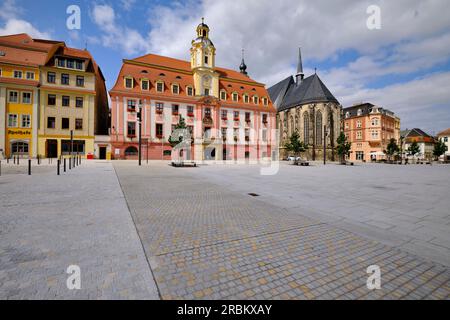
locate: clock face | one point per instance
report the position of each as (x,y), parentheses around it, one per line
(207,81)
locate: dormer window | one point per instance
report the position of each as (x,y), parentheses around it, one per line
(235,97)
(189,91)
(246,98)
(223,95)
(145,84)
(175,89)
(18,74)
(160,86)
(347,114)
(255,100)
(129,83)
(359,112)
(265,101)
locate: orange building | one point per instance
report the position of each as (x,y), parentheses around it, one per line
(230,116)
(369,128)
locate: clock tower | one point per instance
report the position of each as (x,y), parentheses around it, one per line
(203,59)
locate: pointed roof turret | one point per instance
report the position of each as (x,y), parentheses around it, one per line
(243,66)
(300,75)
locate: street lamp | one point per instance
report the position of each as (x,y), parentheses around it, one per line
(326,133)
(139,117)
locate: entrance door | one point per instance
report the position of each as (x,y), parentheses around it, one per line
(52,148)
(102,153)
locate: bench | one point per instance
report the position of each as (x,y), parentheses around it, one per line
(181,164)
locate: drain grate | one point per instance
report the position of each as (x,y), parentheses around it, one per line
(253,194)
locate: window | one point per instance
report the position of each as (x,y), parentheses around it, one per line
(347,125)
(247,135)
(70,63)
(246,99)
(175,109)
(359,135)
(131,151)
(61,63)
(208,113)
(129,83)
(78,124)
(235,96)
(236,116)
(19,147)
(265,101)
(264,135)
(80,81)
(446,139)
(236,134)
(51,123)
(190,111)
(131,105)
(190,91)
(65,79)
(224,114)
(26,97)
(12,120)
(79,102)
(65,123)
(159,107)
(375,122)
(131,129)
(79,65)
(264,118)
(167,153)
(65,101)
(247,117)
(159,130)
(206,92)
(25,121)
(207,133)
(144,85)
(359,155)
(375,134)
(18,74)
(359,112)
(223,95)
(13,97)
(160,86)
(347,114)
(255,100)
(78,146)
(30,75)
(206,60)
(51,77)
(51,100)
(175,89)
(358,124)
(224,133)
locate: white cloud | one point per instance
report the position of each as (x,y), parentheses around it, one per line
(116,36)
(10,13)
(14,26)
(127,4)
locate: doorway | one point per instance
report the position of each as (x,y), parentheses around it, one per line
(52,148)
(102,153)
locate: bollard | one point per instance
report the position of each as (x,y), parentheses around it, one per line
(29,167)
(70,164)
(0,168)
(7,160)
(64,164)
(58,167)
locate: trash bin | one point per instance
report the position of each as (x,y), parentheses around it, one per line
(90,156)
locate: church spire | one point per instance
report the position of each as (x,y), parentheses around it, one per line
(300,73)
(243,66)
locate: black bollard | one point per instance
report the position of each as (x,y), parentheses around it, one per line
(70,163)
(58,167)
(18,160)
(7,160)
(29,167)
(0,168)
(64,164)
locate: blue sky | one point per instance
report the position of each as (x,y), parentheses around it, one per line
(404,66)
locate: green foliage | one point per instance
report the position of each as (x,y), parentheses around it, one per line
(413,149)
(343,146)
(439,149)
(295,145)
(392,148)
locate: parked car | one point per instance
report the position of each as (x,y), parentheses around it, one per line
(292,158)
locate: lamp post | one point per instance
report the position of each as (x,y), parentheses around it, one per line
(139,116)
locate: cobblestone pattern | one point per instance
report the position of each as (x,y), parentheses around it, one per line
(205,242)
(49,223)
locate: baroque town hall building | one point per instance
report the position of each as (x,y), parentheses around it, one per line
(230,116)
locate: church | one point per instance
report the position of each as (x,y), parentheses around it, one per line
(229,115)
(307,106)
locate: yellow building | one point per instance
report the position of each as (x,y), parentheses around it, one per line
(19,92)
(53,99)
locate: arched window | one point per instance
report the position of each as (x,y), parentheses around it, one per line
(319,129)
(306,128)
(292,128)
(131,151)
(19,147)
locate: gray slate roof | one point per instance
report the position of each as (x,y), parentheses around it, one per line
(310,90)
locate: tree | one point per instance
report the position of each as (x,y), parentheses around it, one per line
(177,137)
(343,147)
(413,149)
(439,149)
(295,145)
(392,148)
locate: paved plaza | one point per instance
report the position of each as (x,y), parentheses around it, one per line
(158,232)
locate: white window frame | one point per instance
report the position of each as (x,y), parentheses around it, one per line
(223,92)
(9,96)
(156,86)
(22,100)
(187,91)
(30,73)
(125,82)
(235,95)
(17,120)
(246,98)
(255,97)
(22,116)
(21,74)
(173,88)
(148,84)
